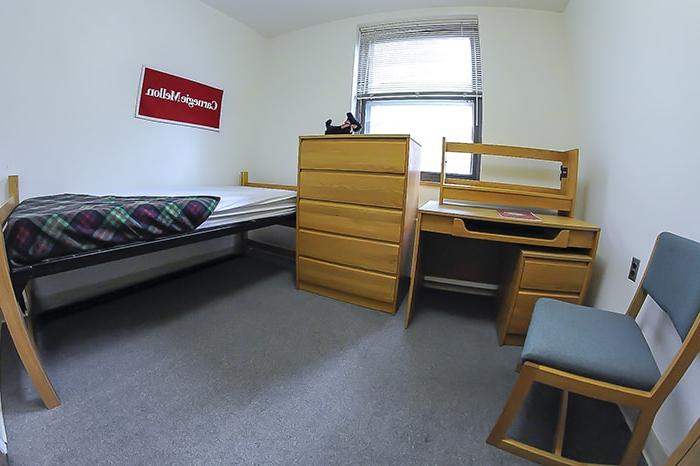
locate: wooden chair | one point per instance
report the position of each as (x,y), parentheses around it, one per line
(603,355)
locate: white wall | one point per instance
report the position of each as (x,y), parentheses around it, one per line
(70,76)
(636,66)
(71,70)
(527,82)
(309,78)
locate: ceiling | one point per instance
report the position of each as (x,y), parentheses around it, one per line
(274,17)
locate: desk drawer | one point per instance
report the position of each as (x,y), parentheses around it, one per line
(372,285)
(353,220)
(554,275)
(355,188)
(367,155)
(525,303)
(356,252)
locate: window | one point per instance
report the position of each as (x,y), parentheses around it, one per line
(423,78)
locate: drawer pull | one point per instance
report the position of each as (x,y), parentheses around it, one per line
(460,229)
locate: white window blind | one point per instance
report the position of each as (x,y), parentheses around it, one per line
(433,58)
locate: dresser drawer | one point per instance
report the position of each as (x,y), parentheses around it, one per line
(553,275)
(372,285)
(356,188)
(347,219)
(525,303)
(356,252)
(366,155)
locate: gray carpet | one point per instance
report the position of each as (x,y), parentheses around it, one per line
(233,365)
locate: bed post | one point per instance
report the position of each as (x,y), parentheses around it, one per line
(13,315)
(244,234)
(13,187)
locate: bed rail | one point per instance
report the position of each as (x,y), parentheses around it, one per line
(246,182)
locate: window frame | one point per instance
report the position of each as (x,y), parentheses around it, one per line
(475,98)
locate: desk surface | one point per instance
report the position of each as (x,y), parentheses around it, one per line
(492,215)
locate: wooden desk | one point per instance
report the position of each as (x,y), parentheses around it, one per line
(551,257)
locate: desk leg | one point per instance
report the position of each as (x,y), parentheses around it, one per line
(415,267)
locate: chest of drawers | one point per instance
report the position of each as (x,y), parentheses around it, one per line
(358,196)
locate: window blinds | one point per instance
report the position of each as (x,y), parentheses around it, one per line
(420,58)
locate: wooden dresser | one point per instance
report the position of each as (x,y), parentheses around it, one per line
(358,196)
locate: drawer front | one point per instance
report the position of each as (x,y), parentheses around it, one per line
(582,239)
(353,220)
(356,188)
(356,252)
(366,155)
(372,285)
(525,303)
(554,275)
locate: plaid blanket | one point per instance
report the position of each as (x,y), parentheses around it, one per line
(46,227)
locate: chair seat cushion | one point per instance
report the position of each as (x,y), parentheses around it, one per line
(590,342)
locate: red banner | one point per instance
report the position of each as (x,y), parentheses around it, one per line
(172,99)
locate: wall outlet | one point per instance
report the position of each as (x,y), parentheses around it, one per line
(634,268)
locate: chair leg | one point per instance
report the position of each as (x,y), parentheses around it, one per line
(25,346)
(516,400)
(639,437)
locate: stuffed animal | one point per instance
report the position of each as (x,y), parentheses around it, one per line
(349,126)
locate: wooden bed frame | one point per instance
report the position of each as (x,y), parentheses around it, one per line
(13,280)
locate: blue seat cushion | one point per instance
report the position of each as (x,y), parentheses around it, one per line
(598,344)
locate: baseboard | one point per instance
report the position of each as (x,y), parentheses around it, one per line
(654,452)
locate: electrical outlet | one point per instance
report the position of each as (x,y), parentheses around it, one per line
(634,268)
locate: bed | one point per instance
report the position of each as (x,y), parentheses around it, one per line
(240,209)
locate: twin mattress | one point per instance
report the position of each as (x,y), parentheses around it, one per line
(236,203)
(54,226)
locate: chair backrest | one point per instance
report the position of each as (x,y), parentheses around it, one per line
(673,279)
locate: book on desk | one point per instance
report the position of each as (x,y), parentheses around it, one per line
(550,256)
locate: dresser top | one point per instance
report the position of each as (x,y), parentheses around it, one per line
(360,136)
